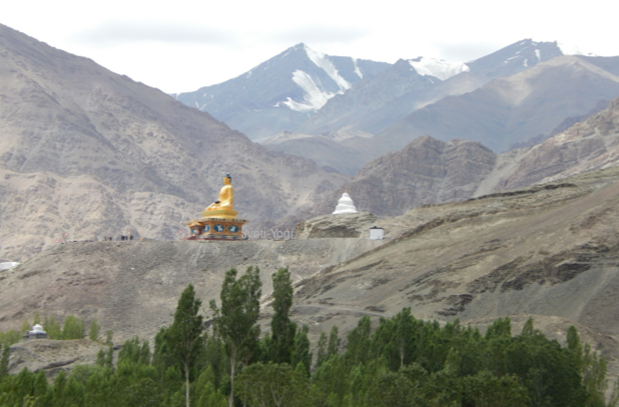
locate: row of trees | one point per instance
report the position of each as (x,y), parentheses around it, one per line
(402,361)
(71,328)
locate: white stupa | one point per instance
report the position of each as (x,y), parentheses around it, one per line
(345,205)
(36,333)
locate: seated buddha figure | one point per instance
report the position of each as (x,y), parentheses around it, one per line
(224,206)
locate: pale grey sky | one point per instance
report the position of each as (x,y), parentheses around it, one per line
(183,45)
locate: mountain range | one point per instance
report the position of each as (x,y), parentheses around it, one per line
(305,91)
(281,92)
(515,96)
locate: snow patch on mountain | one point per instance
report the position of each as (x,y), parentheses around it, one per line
(357,70)
(438,68)
(570,49)
(314,97)
(321,61)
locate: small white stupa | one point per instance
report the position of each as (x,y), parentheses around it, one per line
(36,333)
(345,205)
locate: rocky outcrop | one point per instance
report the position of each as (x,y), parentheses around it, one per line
(335,226)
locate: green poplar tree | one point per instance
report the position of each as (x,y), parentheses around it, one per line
(236,321)
(301,352)
(184,338)
(358,350)
(42,390)
(283,330)
(321,352)
(4,362)
(10,337)
(93,334)
(73,328)
(52,327)
(25,326)
(273,385)
(333,346)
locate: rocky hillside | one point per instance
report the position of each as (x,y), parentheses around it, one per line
(84,151)
(132,288)
(589,145)
(548,250)
(513,109)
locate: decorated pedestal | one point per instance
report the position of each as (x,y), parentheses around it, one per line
(212,228)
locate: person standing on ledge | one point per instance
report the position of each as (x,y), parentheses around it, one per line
(226,197)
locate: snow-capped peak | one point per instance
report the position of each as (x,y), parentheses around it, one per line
(321,61)
(314,95)
(438,68)
(570,49)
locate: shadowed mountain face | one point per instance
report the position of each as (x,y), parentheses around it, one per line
(510,110)
(85,151)
(429,171)
(355,108)
(424,172)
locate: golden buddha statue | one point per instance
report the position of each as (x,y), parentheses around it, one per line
(224,207)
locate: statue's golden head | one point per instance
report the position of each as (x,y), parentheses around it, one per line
(227,179)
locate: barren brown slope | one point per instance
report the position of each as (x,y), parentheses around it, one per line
(84,150)
(133,287)
(548,250)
